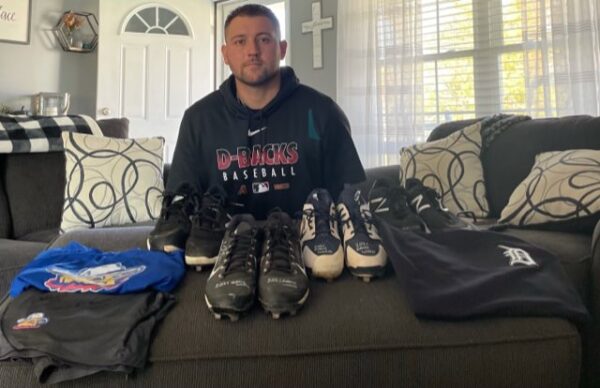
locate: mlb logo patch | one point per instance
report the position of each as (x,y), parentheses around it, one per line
(260,187)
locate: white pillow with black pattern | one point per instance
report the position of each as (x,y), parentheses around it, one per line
(452,167)
(562,190)
(111,181)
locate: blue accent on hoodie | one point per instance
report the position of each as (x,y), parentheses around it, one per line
(312,131)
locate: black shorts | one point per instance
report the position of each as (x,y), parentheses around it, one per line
(74,335)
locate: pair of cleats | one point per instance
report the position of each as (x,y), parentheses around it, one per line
(266,261)
(191,223)
(325,253)
(414,207)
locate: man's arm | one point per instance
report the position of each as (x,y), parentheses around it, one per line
(185,167)
(341,164)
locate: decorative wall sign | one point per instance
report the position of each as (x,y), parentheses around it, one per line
(15,20)
(316,26)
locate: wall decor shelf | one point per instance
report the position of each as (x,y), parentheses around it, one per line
(77,31)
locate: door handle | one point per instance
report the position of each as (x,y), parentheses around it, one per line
(105,111)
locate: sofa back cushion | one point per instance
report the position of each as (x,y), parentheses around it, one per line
(5,223)
(510,157)
(34,185)
(118,128)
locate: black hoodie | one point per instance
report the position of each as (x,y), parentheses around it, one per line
(266,158)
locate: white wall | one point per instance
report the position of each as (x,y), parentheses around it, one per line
(323,79)
(42,66)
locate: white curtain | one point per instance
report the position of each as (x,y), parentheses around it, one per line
(576,50)
(405,66)
(380,87)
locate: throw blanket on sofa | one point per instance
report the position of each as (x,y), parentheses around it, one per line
(22,134)
(492,126)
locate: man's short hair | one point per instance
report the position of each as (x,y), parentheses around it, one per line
(254,10)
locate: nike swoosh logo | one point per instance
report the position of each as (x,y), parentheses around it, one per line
(252,133)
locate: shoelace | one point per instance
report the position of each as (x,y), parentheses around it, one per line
(174,209)
(280,251)
(322,217)
(433,198)
(210,213)
(360,219)
(241,253)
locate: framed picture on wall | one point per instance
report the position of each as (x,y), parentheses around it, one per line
(15,21)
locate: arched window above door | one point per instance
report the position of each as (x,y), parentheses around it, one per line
(157,19)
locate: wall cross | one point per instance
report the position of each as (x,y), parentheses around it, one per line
(316,26)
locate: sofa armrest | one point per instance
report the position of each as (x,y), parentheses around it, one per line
(593,331)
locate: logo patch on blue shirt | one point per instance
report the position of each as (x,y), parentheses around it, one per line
(91,279)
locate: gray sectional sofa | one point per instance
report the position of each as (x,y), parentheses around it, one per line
(349,333)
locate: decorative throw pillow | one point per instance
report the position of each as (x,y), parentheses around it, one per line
(111,181)
(562,190)
(452,167)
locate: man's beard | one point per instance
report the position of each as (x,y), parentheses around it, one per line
(264,78)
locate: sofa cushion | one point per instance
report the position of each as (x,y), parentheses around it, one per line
(573,251)
(452,167)
(35,185)
(45,235)
(560,192)
(349,332)
(13,256)
(111,181)
(510,157)
(347,318)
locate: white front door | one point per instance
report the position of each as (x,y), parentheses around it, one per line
(154,60)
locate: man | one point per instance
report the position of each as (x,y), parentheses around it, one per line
(264,141)
(264,137)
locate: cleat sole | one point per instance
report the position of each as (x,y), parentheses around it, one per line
(367,273)
(280,310)
(164,248)
(324,266)
(231,314)
(199,261)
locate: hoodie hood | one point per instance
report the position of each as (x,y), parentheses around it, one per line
(289,83)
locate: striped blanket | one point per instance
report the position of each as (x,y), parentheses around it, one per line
(23,134)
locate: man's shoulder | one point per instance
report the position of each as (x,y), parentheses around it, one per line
(210,101)
(305,91)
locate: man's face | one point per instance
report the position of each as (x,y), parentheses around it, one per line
(252,49)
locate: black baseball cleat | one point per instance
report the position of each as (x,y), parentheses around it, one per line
(427,204)
(320,240)
(365,256)
(282,280)
(389,203)
(208,228)
(173,225)
(231,286)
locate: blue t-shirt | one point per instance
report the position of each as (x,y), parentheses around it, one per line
(77,268)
